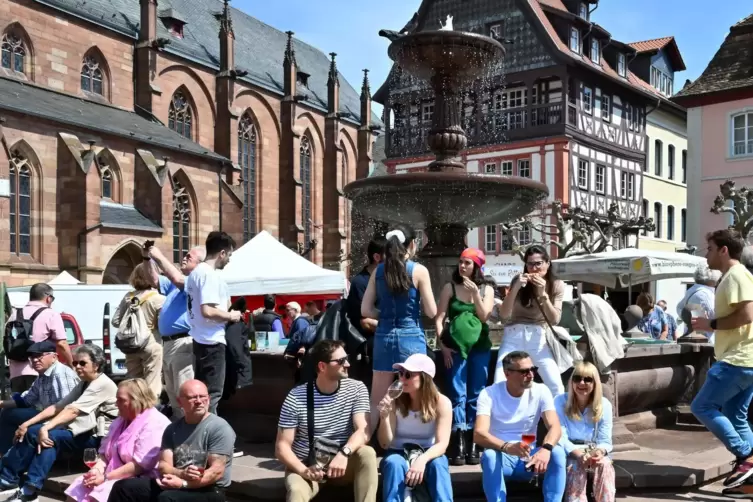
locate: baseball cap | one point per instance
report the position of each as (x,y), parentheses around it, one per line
(417,363)
(41,347)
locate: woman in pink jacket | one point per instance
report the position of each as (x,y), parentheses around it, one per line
(130,449)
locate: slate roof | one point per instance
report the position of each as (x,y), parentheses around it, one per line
(259,48)
(123,217)
(40,102)
(732,66)
(667,43)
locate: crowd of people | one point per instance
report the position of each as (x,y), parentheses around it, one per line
(422,431)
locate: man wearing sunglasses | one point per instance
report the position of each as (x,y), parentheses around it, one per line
(507,419)
(46,324)
(336,406)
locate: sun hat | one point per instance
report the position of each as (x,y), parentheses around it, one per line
(417,363)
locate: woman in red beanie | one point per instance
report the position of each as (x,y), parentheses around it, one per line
(466,302)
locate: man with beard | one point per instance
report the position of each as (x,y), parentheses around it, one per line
(208,312)
(506,412)
(342,435)
(181,479)
(177,357)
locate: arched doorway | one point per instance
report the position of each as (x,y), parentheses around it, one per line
(121,264)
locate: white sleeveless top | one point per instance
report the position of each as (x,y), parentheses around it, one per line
(411,429)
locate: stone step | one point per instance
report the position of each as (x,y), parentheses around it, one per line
(667,459)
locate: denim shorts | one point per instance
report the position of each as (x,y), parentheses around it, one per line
(396,346)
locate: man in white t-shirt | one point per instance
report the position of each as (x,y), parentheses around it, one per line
(208,304)
(506,412)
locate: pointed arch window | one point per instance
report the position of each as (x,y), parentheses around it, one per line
(305,160)
(20,205)
(247,161)
(91,76)
(180,116)
(106,183)
(12,53)
(343,182)
(181,221)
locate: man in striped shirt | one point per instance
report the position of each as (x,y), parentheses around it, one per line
(55,381)
(340,408)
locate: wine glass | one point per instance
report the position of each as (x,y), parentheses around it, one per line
(323,458)
(528,439)
(90,457)
(199,460)
(590,447)
(395,390)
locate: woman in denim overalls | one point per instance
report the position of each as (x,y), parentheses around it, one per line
(398,286)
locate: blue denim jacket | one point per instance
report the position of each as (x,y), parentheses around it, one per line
(653,323)
(582,430)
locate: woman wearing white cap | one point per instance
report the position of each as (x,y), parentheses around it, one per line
(420,417)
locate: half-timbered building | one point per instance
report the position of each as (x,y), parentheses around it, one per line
(562,107)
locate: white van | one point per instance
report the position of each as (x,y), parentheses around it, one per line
(92,307)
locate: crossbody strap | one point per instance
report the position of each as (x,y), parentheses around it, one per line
(310,420)
(35,315)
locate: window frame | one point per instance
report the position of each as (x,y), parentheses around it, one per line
(747,129)
(683,225)
(583,11)
(587,105)
(608,116)
(90,65)
(670,223)
(658,157)
(595,51)
(685,166)
(181,221)
(575,39)
(582,174)
(644,210)
(671,162)
(524,163)
(18,49)
(427,112)
(490,246)
(492,165)
(248,158)
(173,114)
(658,219)
(20,167)
(306,151)
(621,64)
(600,169)
(503,168)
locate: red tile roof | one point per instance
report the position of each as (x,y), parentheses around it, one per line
(651,45)
(555,4)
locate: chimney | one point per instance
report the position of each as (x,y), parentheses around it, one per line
(333,87)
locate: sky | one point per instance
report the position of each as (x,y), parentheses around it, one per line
(350,27)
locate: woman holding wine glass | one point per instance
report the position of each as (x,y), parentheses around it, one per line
(130,449)
(466,302)
(419,419)
(586,419)
(401,288)
(533,303)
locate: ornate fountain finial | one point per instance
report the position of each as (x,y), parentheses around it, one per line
(365,87)
(447,26)
(226,20)
(333,69)
(289,51)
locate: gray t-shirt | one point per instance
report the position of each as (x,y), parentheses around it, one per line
(212,435)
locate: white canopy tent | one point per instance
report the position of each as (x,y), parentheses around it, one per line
(626,267)
(265,266)
(64,278)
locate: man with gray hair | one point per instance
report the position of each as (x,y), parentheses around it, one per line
(177,359)
(701,293)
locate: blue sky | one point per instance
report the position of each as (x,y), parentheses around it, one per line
(349,27)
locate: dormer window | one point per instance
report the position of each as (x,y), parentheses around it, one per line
(621,66)
(575,40)
(303,79)
(583,10)
(173,21)
(595,51)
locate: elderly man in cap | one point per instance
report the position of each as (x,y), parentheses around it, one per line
(55,381)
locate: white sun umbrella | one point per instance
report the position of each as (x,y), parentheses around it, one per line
(626,267)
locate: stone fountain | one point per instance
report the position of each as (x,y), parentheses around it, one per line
(445,201)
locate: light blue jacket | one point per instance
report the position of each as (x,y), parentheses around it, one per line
(583,429)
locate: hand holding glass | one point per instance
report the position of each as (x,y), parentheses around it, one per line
(528,439)
(199,460)
(395,390)
(90,457)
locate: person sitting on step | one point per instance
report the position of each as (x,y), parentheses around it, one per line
(415,430)
(507,419)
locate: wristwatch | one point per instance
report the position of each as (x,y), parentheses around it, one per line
(543,298)
(184,485)
(346,451)
(712,323)
(547,446)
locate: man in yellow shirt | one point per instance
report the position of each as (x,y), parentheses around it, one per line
(722,403)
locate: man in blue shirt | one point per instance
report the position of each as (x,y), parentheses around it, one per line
(177,358)
(671,322)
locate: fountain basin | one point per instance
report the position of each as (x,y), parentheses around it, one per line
(442,198)
(461,55)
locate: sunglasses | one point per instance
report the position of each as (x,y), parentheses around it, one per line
(579,379)
(526,371)
(341,361)
(79,363)
(405,374)
(534,264)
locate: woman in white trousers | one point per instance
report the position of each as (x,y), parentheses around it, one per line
(533,295)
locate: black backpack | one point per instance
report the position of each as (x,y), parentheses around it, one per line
(18,335)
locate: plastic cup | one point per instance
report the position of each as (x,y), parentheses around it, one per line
(273,341)
(261,341)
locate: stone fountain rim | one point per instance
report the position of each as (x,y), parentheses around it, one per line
(447,36)
(391,181)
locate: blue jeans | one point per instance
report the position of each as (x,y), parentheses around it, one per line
(10,419)
(23,456)
(467,379)
(496,467)
(722,406)
(394,467)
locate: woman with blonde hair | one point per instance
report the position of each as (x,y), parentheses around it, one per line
(145,303)
(586,419)
(130,449)
(415,431)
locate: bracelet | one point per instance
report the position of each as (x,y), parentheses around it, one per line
(504,446)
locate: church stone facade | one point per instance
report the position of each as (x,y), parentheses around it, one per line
(128,120)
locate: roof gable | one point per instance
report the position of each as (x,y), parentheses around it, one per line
(730,69)
(667,44)
(259,48)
